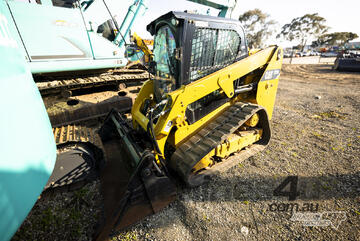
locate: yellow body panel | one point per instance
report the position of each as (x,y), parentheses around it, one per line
(205,162)
(237,141)
(146,92)
(253,121)
(227,86)
(267,89)
(234,143)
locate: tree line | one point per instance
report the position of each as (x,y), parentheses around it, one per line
(259,27)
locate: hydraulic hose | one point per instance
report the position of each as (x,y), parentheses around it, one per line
(150,131)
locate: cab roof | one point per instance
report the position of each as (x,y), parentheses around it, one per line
(189,16)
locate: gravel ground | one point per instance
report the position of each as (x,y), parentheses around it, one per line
(315,136)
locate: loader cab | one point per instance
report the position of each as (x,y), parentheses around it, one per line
(188,47)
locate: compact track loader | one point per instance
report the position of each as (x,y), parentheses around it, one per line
(209,97)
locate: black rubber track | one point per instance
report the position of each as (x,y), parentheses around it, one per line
(210,136)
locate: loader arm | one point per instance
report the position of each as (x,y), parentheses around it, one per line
(140,43)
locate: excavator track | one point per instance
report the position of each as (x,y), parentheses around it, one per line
(188,154)
(79,158)
(75,133)
(51,85)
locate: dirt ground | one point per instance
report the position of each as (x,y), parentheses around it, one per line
(315,137)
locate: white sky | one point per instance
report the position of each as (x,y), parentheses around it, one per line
(341,16)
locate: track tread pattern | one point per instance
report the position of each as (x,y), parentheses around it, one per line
(118,76)
(68,137)
(193,150)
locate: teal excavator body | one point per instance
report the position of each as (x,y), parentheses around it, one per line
(27,145)
(71,35)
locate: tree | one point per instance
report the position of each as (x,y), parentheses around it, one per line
(303,28)
(257,27)
(337,38)
(316,43)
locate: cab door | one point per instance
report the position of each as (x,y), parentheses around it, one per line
(102,29)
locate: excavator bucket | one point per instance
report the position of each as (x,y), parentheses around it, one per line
(132,184)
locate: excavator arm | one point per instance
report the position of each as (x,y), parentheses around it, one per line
(141,44)
(225,6)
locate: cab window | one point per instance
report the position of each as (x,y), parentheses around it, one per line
(212,49)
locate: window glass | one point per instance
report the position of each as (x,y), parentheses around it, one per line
(203,52)
(64,3)
(212,49)
(107,29)
(227,47)
(164,50)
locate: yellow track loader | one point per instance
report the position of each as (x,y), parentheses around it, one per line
(209,97)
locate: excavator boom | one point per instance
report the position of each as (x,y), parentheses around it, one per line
(225,6)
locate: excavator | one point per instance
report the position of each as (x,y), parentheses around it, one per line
(70,44)
(28,151)
(209,97)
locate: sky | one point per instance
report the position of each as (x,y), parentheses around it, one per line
(341,16)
